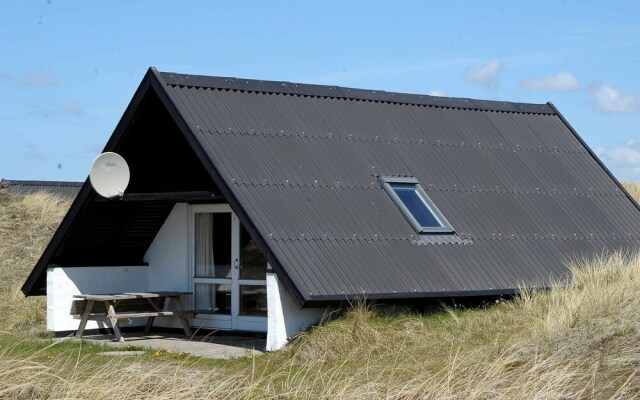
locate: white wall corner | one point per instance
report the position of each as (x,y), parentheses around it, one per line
(51,305)
(284,317)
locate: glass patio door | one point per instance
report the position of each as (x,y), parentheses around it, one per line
(229,272)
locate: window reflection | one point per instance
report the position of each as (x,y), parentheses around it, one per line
(253,264)
(253,300)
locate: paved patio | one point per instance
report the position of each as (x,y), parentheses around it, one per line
(211,346)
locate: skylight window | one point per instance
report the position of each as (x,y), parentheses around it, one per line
(416,205)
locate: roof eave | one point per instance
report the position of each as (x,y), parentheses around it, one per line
(408,296)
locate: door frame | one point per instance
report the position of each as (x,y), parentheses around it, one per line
(234,321)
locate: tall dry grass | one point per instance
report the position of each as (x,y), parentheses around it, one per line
(633,189)
(26,225)
(577,341)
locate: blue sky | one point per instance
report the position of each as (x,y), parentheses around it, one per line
(68,69)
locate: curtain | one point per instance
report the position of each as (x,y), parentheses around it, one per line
(204,260)
(204,245)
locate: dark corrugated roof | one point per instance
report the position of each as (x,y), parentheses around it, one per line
(302,160)
(61,188)
(299,165)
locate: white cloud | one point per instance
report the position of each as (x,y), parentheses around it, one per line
(73,108)
(487,75)
(624,161)
(40,111)
(38,79)
(609,99)
(32,152)
(69,108)
(437,92)
(5,77)
(560,81)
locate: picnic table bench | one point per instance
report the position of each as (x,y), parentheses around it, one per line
(126,306)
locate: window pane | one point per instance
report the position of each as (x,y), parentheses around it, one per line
(416,205)
(213,245)
(213,298)
(253,264)
(253,300)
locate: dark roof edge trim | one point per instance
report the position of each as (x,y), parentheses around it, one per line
(306,89)
(194,141)
(415,295)
(595,157)
(82,199)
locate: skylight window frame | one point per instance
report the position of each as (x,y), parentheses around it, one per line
(388,181)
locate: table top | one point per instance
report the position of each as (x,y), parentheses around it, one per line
(130,295)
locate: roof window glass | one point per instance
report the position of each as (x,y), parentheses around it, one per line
(416,205)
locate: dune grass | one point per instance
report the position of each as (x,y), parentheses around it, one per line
(575,341)
(633,189)
(26,225)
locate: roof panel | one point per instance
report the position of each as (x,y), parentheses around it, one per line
(302,161)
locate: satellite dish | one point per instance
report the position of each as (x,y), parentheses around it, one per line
(109,175)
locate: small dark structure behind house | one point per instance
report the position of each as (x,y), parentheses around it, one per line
(61,188)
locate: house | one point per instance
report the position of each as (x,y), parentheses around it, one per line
(316,195)
(60,188)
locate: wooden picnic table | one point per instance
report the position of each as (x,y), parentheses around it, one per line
(154,308)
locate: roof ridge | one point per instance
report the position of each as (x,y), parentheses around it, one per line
(332,91)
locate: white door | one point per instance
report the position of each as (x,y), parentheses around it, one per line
(229,272)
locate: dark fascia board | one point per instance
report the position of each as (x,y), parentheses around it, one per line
(593,154)
(160,86)
(354,297)
(305,89)
(85,195)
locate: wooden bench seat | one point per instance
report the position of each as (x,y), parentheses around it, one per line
(125,305)
(131,315)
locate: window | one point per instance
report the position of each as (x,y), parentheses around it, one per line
(416,205)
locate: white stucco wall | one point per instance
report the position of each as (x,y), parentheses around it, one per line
(64,283)
(284,317)
(168,254)
(168,259)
